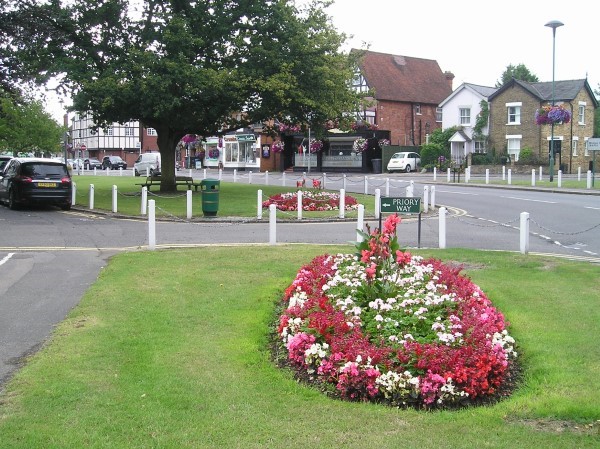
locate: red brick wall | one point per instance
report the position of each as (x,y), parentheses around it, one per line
(406,127)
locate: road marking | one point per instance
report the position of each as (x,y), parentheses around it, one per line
(526,199)
(590,207)
(6,258)
(457,193)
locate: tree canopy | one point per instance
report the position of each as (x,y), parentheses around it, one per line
(519,72)
(25,127)
(186,67)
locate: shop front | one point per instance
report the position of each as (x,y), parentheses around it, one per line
(241,152)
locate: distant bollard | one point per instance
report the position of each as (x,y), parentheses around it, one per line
(272,224)
(432,197)
(188,204)
(299,204)
(91,196)
(426,199)
(144,205)
(74,194)
(114,199)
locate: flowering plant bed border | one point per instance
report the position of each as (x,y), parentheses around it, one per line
(386,326)
(312,200)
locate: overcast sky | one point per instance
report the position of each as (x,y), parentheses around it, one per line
(473,39)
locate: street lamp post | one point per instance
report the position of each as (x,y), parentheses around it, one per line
(554,24)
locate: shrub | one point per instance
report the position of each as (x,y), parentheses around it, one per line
(430,154)
(528,157)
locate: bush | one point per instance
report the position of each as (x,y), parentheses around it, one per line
(528,157)
(482,159)
(431,153)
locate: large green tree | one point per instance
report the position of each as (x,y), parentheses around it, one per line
(26,127)
(519,72)
(181,67)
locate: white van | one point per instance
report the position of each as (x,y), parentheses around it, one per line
(147,164)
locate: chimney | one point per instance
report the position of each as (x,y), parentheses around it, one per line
(449,77)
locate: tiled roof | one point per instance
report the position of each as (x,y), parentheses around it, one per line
(564,90)
(404,78)
(484,91)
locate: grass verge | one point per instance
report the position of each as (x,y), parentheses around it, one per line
(161,355)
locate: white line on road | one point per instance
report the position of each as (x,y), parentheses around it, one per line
(527,199)
(6,258)
(590,207)
(457,193)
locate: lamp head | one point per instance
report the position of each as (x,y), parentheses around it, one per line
(554,24)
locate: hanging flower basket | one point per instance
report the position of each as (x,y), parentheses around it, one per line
(288,129)
(277,147)
(213,153)
(189,138)
(384,142)
(315,145)
(549,115)
(360,145)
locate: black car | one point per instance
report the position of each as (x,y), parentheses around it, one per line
(113,162)
(91,163)
(36,181)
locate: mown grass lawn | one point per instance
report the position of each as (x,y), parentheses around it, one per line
(235,199)
(168,349)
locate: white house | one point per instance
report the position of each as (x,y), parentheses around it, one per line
(462,108)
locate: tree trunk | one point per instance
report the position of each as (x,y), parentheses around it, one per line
(167,140)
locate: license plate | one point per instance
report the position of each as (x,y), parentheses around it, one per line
(46,184)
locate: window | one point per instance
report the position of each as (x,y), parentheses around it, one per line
(514,115)
(582,105)
(574,145)
(438,114)
(109,131)
(480,147)
(359,84)
(151,132)
(129,131)
(513,146)
(418,109)
(465,116)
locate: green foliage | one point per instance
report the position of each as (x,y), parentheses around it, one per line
(519,72)
(481,121)
(442,137)
(189,67)
(26,127)
(430,154)
(528,157)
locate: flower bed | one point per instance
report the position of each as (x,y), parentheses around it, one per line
(311,201)
(385,326)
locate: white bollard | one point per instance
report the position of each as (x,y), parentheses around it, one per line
(559,178)
(133,172)
(144,200)
(299,204)
(503,173)
(578,173)
(151,226)
(344,182)
(532,177)
(324,181)
(509,176)
(259,204)
(448,175)
(73,194)
(250,177)
(387,186)
(524,233)
(342,204)
(188,204)
(95,171)
(435,173)
(220,174)
(426,199)
(235,175)
(190,174)
(107,171)
(272,224)
(283,179)
(540,172)
(120,171)
(377,203)
(147,171)
(433,198)
(267,177)
(114,199)
(589,179)
(467,174)
(366,185)
(487,175)
(91,196)
(442,228)
(360,222)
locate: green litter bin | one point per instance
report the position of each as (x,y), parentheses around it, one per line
(210,196)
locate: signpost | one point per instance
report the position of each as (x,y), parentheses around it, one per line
(401,205)
(593,144)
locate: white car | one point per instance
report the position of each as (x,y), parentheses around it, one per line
(404,161)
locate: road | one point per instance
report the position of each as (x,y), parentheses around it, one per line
(48,258)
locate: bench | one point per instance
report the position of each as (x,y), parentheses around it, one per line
(179,181)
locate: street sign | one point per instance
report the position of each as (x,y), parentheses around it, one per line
(593,144)
(406,205)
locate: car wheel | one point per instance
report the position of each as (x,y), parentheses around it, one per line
(12,200)
(407,169)
(135,172)
(65,206)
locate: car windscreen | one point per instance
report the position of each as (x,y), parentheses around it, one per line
(40,170)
